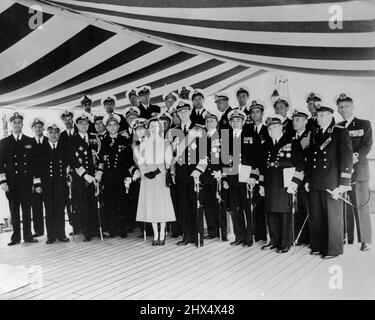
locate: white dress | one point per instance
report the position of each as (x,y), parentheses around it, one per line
(154,202)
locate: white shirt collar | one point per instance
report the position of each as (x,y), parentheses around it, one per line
(186,125)
(211,132)
(278,139)
(115,136)
(83,136)
(325,128)
(15,136)
(39,139)
(349,121)
(237,132)
(301,133)
(51,144)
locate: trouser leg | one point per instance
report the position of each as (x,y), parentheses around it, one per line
(37,209)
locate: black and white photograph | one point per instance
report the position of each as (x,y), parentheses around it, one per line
(198,152)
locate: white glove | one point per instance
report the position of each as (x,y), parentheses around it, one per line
(88,178)
(292,188)
(195,174)
(251,182)
(98,176)
(344,189)
(4,187)
(225,185)
(173,178)
(335,193)
(307,187)
(127,182)
(261,191)
(136,175)
(216,174)
(38,189)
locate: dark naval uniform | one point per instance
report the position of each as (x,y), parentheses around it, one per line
(260,227)
(303,207)
(37,202)
(329,166)
(288,127)
(360,133)
(150,111)
(286,153)
(17,169)
(55,190)
(67,138)
(83,163)
(224,122)
(312,124)
(210,161)
(116,155)
(198,116)
(186,157)
(240,150)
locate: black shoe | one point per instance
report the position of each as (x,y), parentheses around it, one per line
(209,237)
(155,243)
(236,243)
(71,234)
(266,246)
(247,243)
(124,235)
(201,244)
(175,235)
(312,252)
(182,243)
(31,240)
(13,243)
(162,242)
(326,257)
(86,239)
(283,250)
(49,241)
(225,239)
(64,240)
(365,247)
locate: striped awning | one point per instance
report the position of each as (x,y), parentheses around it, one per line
(100,47)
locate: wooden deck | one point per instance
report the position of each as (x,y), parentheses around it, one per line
(133,269)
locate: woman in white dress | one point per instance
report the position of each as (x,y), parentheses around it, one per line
(154,156)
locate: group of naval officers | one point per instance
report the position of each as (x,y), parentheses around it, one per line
(285,181)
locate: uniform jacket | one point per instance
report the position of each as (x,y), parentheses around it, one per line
(312,124)
(209,157)
(242,150)
(38,150)
(198,119)
(53,173)
(224,122)
(288,127)
(330,160)
(261,136)
(186,156)
(67,141)
(151,110)
(117,158)
(18,162)
(287,153)
(360,133)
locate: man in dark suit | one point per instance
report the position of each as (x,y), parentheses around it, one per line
(18,176)
(86,104)
(199,112)
(66,138)
(109,104)
(209,167)
(53,171)
(312,99)
(281,106)
(222,104)
(280,153)
(360,133)
(185,145)
(239,148)
(37,206)
(302,136)
(147,110)
(85,178)
(329,169)
(243,95)
(258,131)
(117,158)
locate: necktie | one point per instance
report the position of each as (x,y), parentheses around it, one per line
(54,146)
(185,131)
(18,138)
